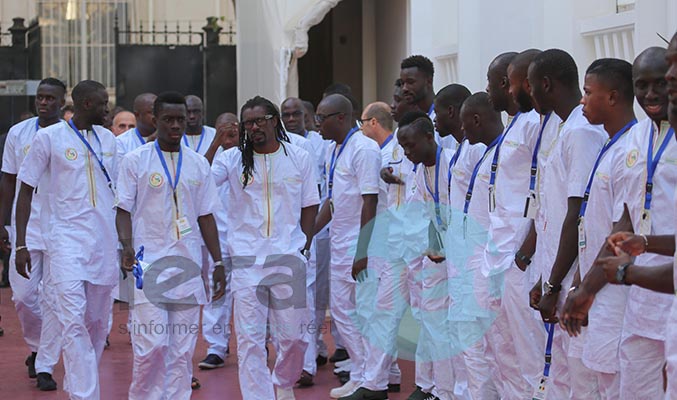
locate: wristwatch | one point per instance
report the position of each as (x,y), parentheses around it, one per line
(550,289)
(306,253)
(620,273)
(525,259)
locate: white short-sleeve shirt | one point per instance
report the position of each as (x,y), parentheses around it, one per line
(264,218)
(566,175)
(144,186)
(357,172)
(646,312)
(80,235)
(200,143)
(127,142)
(19,140)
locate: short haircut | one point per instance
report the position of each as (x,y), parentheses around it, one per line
(558,65)
(452,95)
(421,62)
(418,120)
(382,114)
(167,98)
(53,82)
(615,74)
(83,89)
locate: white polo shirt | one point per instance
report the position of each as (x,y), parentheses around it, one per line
(646,312)
(143,186)
(357,172)
(19,140)
(266,220)
(81,237)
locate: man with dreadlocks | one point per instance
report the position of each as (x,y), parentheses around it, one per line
(273,182)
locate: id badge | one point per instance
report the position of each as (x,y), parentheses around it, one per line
(531,206)
(184,227)
(645,223)
(541,391)
(492,199)
(581,234)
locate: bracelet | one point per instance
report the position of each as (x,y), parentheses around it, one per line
(646,242)
(19,248)
(525,259)
(218,264)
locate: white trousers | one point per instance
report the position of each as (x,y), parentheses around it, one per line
(642,361)
(344,313)
(163,340)
(391,302)
(216,317)
(251,312)
(26,295)
(79,306)
(49,351)
(516,340)
(671,352)
(322,256)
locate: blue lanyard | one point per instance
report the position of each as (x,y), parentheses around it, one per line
(334,160)
(37,124)
(435,195)
(174,184)
(550,328)
(385,142)
(652,164)
(606,147)
(534,157)
(138,134)
(199,144)
(137,270)
(471,185)
(452,162)
(91,150)
(494,163)
(431,109)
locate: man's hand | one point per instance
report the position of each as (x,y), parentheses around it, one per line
(219,278)
(535,295)
(128,259)
(22,260)
(5,245)
(388,177)
(610,266)
(626,242)
(575,311)
(359,266)
(548,307)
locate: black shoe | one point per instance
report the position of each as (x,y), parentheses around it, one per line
(107,345)
(194,383)
(418,394)
(30,363)
(212,361)
(45,382)
(321,360)
(366,394)
(339,355)
(432,397)
(393,388)
(306,379)
(344,377)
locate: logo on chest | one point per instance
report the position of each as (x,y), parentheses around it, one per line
(155,180)
(26,148)
(71,154)
(246,181)
(631,158)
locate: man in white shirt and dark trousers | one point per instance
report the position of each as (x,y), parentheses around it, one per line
(165,192)
(80,159)
(553,77)
(353,166)
(35,307)
(273,183)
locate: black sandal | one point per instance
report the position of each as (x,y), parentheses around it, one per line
(195,384)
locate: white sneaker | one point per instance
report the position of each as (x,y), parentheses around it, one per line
(339,364)
(284,394)
(346,390)
(345,367)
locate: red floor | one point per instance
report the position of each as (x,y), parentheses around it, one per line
(115,370)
